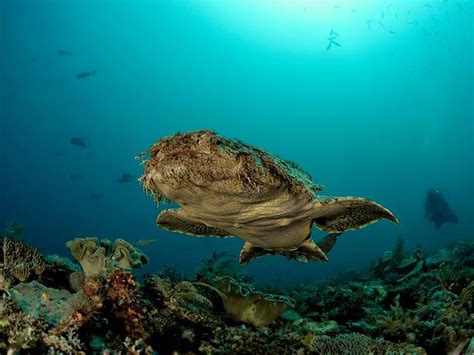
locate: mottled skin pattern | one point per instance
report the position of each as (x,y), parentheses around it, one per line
(228,188)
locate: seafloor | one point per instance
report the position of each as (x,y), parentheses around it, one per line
(407,302)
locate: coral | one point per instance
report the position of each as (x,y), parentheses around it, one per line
(66,342)
(397,323)
(244,304)
(290,315)
(342,344)
(242,340)
(418,267)
(18,330)
(186,293)
(76,281)
(60,262)
(50,304)
(21,261)
(137,347)
(121,293)
(309,326)
(98,257)
(90,255)
(456,323)
(4,283)
(127,256)
(418,304)
(58,272)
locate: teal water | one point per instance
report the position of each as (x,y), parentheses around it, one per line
(386,115)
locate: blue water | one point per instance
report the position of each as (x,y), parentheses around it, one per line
(385,115)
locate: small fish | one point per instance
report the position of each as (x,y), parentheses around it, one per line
(409,12)
(337,44)
(333,33)
(413,23)
(79,142)
(145,242)
(382,14)
(368,24)
(354,10)
(381,24)
(389,6)
(396,15)
(64,52)
(125,177)
(392,32)
(428,5)
(95,196)
(85,74)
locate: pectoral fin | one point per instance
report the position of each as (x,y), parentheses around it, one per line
(336,215)
(176,221)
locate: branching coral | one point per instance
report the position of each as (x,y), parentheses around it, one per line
(21,261)
(67,342)
(456,323)
(397,323)
(353,343)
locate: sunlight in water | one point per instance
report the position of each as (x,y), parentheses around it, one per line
(308,25)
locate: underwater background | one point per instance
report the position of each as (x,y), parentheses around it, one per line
(385,112)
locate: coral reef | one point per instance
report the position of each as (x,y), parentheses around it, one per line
(245,304)
(20,261)
(407,302)
(97,257)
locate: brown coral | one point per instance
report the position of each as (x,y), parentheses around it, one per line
(244,304)
(21,261)
(98,257)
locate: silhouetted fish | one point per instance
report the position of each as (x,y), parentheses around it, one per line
(85,74)
(64,52)
(145,242)
(126,177)
(79,142)
(95,196)
(437,210)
